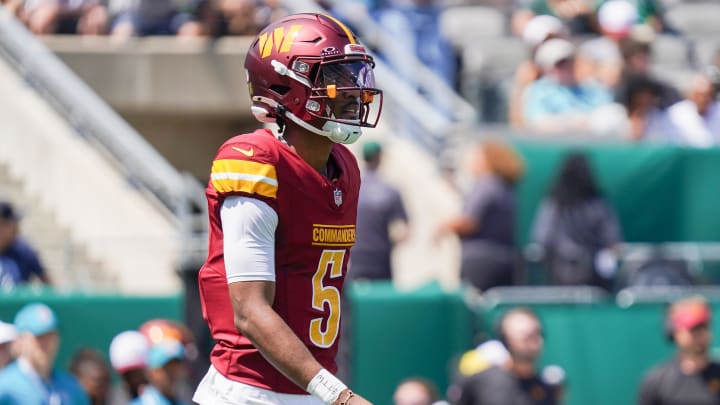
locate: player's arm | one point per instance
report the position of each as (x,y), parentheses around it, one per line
(249,242)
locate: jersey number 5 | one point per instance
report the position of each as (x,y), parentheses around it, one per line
(326,295)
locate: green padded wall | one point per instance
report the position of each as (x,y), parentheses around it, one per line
(403,334)
(92,320)
(660,193)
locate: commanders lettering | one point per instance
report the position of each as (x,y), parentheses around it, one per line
(333,235)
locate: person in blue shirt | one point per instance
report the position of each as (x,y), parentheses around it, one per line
(32,378)
(166,372)
(8,334)
(557,103)
(19,263)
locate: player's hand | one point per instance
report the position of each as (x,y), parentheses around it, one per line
(346,398)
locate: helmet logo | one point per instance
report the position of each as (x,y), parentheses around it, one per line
(279,39)
(312,105)
(355,49)
(330,50)
(338,197)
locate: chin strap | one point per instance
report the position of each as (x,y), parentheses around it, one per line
(336,132)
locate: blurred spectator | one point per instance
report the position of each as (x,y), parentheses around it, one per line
(646,120)
(32,378)
(93,374)
(697,117)
(14,7)
(517,381)
(166,372)
(577,229)
(557,102)
(128,357)
(599,58)
(160,331)
(147,17)
(577,15)
(538,30)
(691,377)
(636,50)
(246,17)
(489,353)
(416,391)
(382,221)
(8,334)
(19,263)
(414,26)
(487,225)
(649,12)
(44,17)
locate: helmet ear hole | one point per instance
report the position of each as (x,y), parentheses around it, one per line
(279,89)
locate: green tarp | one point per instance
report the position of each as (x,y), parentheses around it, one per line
(661,193)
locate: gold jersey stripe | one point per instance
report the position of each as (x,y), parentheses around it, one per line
(229,175)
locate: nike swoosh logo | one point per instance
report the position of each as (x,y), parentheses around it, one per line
(246,152)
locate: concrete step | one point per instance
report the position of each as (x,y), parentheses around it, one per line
(66,261)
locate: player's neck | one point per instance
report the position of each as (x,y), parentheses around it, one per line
(312,148)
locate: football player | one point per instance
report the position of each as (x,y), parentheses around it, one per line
(282,211)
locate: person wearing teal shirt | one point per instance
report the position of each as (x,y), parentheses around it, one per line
(31,379)
(166,371)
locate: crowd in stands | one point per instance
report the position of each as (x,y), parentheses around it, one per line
(129,18)
(151,363)
(589,67)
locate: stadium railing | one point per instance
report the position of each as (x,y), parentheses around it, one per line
(179,193)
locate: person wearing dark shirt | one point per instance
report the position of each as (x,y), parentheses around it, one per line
(515,382)
(19,263)
(381,221)
(486,227)
(690,378)
(577,228)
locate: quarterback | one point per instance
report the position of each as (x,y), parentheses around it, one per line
(282,211)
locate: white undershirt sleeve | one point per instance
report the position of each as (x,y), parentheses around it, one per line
(249,239)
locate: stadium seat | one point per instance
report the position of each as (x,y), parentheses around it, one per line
(671,51)
(467,25)
(695,19)
(705,50)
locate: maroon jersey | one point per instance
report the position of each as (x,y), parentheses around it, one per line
(316,228)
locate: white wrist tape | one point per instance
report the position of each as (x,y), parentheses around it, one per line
(326,386)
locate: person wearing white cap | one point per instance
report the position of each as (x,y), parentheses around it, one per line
(577,15)
(538,30)
(8,333)
(556,102)
(632,12)
(128,357)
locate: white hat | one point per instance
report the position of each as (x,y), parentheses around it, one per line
(617,17)
(8,333)
(128,351)
(553,51)
(494,352)
(540,27)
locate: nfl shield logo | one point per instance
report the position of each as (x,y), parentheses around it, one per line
(338,197)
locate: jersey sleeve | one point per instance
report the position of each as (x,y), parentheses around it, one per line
(246,168)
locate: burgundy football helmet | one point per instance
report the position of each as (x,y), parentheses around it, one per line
(311,70)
